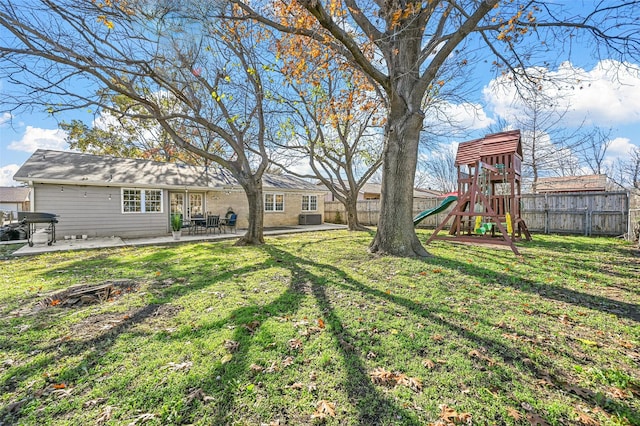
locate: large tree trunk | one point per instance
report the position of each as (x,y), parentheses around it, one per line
(255,230)
(396,234)
(351,207)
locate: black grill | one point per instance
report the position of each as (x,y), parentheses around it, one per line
(33,218)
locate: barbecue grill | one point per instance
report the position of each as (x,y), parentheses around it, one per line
(33,218)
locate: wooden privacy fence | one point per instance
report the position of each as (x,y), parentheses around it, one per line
(590,213)
(585,213)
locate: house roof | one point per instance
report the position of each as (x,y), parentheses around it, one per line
(493,144)
(14,194)
(72,168)
(376,188)
(572,183)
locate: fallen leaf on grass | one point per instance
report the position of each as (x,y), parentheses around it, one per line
(625,344)
(272,368)
(105,416)
(252,326)
(225,359)
(437,338)
(142,418)
(536,420)
(93,402)
(296,386)
(59,386)
(380,376)
(324,409)
(482,357)
(199,395)
(513,413)
(295,344)
(618,393)
(452,417)
(256,368)
(321,323)
(287,361)
(412,383)
(183,366)
(231,345)
(586,420)
(429,364)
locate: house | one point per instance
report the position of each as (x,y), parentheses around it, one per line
(102,196)
(371,191)
(13,199)
(587,183)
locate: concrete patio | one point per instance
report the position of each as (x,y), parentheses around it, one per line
(105,242)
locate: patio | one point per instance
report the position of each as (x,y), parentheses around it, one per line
(93,243)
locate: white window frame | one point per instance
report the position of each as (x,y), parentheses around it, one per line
(274,205)
(143,193)
(307,204)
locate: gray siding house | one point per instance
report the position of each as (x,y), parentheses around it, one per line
(101,196)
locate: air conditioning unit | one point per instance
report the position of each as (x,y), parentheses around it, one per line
(309,219)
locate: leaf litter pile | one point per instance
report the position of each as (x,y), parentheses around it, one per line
(313,330)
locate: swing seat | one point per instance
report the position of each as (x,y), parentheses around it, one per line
(484,228)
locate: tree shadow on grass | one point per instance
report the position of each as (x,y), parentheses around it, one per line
(559,293)
(223,378)
(94,350)
(373,406)
(510,354)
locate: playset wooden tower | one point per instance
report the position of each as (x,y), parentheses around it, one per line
(488,208)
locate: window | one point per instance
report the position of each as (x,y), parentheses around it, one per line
(274,202)
(141,201)
(309,203)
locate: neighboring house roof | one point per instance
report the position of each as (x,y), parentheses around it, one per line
(572,183)
(376,188)
(72,168)
(14,194)
(493,144)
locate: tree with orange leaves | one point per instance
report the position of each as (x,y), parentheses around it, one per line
(335,121)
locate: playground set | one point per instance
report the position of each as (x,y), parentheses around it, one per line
(489,192)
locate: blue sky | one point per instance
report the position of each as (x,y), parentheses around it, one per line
(606,97)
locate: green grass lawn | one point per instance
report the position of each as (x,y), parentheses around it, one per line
(311,329)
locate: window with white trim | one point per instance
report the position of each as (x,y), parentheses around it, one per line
(309,203)
(273,202)
(141,200)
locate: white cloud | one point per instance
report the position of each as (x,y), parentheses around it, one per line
(469,116)
(6,175)
(446,117)
(4,118)
(619,148)
(35,137)
(607,95)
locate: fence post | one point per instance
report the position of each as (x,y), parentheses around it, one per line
(546,214)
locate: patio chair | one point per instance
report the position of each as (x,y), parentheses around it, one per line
(213,222)
(230,222)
